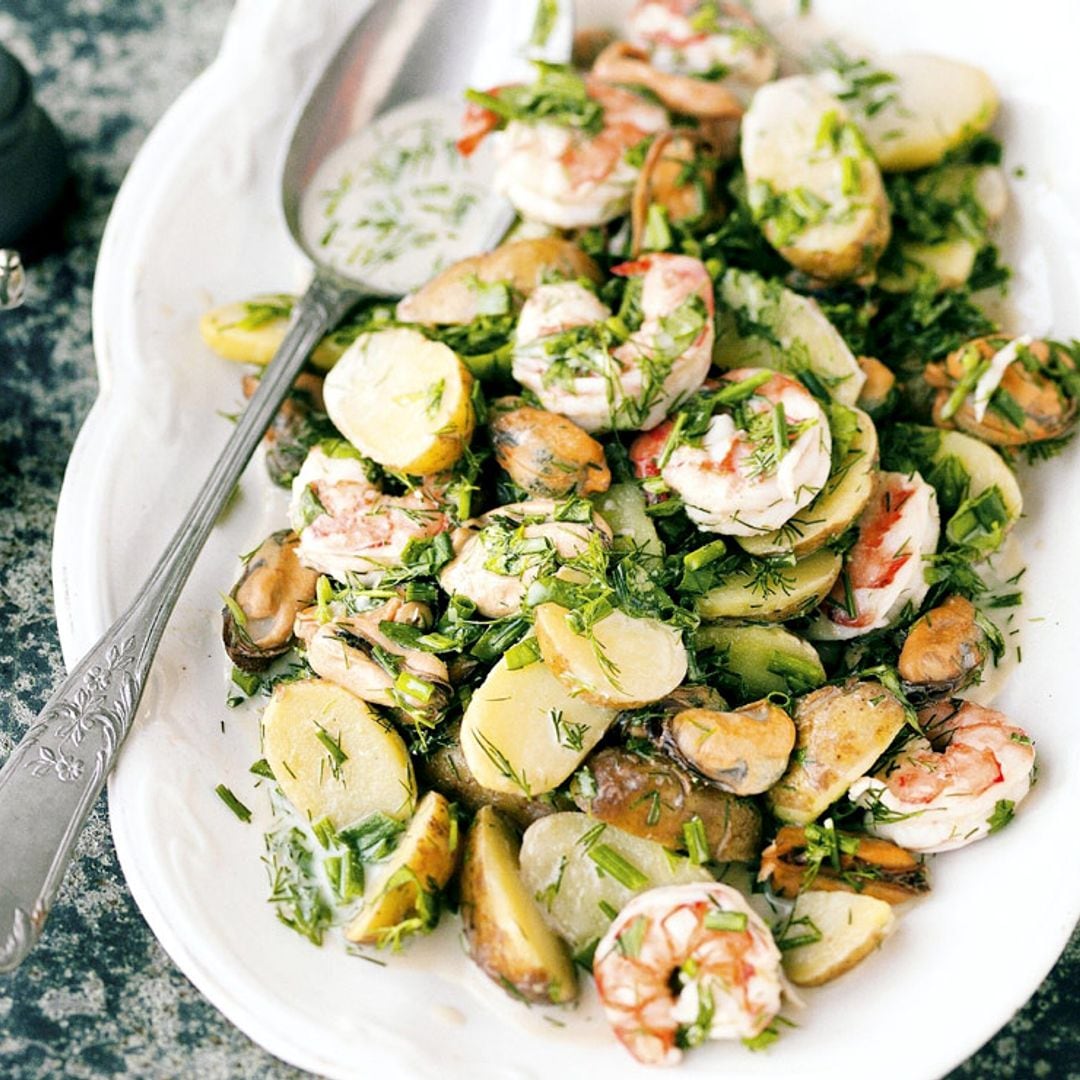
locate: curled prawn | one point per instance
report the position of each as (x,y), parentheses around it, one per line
(958,784)
(347,525)
(757,465)
(564,353)
(564,176)
(683,964)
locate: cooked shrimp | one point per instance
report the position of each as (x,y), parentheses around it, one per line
(502,553)
(684,964)
(758,463)
(347,525)
(564,176)
(960,783)
(884,571)
(563,346)
(703,37)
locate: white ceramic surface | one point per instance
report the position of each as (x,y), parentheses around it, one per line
(197,223)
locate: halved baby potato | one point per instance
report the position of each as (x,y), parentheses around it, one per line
(756,660)
(840,732)
(762,324)
(774,596)
(562,860)
(524,731)
(933,105)
(813,184)
(850,926)
(836,507)
(505,931)
(622,506)
(402,400)
(421,865)
(622,662)
(333,757)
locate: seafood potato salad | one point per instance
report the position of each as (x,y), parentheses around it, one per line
(641,578)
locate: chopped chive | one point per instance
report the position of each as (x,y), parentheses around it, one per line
(702,556)
(324,832)
(248,681)
(735,921)
(337,755)
(412,686)
(735,392)
(780,430)
(607,909)
(629,940)
(697,843)
(610,862)
(262,768)
(523,654)
(233,803)
(849,595)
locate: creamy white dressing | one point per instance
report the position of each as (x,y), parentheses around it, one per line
(991,378)
(396,203)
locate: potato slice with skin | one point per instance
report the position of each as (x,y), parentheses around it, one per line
(757,660)
(622,662)
(505,931)
(782,594)
(762,324)
(524,732)
(836,507)
(559,866)
(402,400)
(931,105)
(422,863)
(333,757)
(851,927)
(812,182)
(250,332)
(840,732)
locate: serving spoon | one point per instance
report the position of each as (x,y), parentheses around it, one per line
(398,52)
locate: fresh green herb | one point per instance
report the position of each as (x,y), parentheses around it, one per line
(734,921)
(1004,810)
(632,936)
(696,840)
(547,12)
(609,861)
(233,803)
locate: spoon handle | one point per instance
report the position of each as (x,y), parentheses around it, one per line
(53,776)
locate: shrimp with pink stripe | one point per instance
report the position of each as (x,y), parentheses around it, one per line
(586,364)
(763,453)
(683,964)
(958,784)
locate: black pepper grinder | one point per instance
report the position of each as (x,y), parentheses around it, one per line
(33,168)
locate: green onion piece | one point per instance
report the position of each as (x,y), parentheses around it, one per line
(248,681)
(735,392)
(697,843)
(607,909)
(233,803)
(262,768)
(338,755)
(324,832)
(523,654)
(780,430)
(735,921)
(414,687)
(702,556)
(614,865)
(657,235)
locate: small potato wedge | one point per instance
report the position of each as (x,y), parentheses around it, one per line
(851,928)
(762,324)
(421,865)
(561,860)
(931,105)
(813,184)
(841,732)
(458,294)
(251,331)
(839,503)
(402,400)
(505,932)
(622,506)
(755,660)
(621,663)
(655,798)
(524,732)
(781,594)
(333,757)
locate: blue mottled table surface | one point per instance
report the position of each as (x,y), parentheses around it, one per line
(99,997)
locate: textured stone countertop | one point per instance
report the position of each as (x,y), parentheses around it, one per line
(99,997)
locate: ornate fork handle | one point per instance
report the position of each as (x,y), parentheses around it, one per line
(50,782)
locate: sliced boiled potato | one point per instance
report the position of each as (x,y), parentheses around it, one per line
(622,506)
(840,732)
(562,860)
(756,660)
(505,932)
(333,757)
(622,662)
(421,865)
(524,731)
(250,332)
(836,507)
(811,180)
(851,927)
(950,261)
(762,324)
(402,400)
(932,105)
(773,593)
